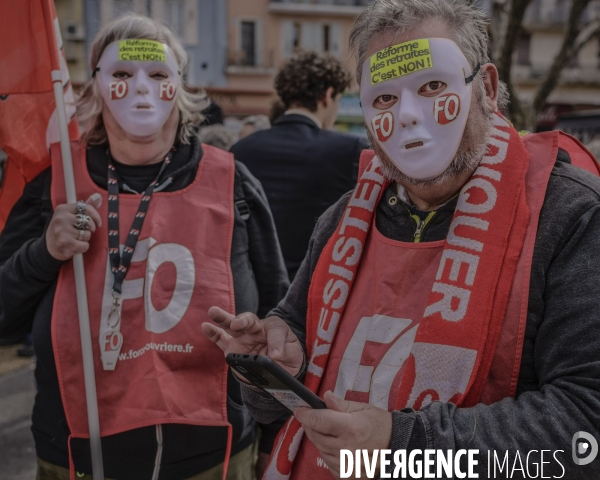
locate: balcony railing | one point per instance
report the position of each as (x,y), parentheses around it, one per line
(554,13)
(239,64)
(349,3)
(340,8)
(569,76)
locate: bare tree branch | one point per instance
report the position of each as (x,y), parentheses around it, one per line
(513,30)
(591,32)
(504,63)
(498,25)
(566,53)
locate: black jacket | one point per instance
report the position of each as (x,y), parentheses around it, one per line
(27,284)
(304,170)
(558,391)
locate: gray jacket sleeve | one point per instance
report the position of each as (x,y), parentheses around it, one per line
(27,270)
(268,269)
(264,251)
(559,384)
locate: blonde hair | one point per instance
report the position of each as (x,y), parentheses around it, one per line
(132,26)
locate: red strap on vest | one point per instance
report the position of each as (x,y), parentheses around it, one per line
(580,156)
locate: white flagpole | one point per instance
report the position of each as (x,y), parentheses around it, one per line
(80,287)
(54,44)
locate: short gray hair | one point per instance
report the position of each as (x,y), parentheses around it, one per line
(260,122)
(218,136)
(467,23)
(132,26)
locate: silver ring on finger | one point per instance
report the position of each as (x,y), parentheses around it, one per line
(81,234)
(80,207)
(83,222)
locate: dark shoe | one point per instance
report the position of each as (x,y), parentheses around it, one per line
(26,351)
(7,341)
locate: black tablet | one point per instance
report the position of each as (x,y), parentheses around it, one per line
(265,374)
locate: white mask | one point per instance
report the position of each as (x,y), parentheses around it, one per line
(420,134)
(138,80)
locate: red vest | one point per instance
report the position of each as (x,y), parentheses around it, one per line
(167,371)
(402,344)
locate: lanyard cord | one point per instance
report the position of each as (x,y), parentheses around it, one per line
(120,264)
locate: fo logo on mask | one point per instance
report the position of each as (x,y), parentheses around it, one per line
(118,90)
(383,126)
(585,448)
(166,91)
(446,109)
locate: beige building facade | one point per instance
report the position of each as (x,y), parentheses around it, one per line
(237,46)
(71,19)
(199,24)
(263,33)
(540,42)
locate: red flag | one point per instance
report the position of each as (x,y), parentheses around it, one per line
(30,35)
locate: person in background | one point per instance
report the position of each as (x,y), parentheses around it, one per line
(277,110)
(169,227)
(303,165)
(213,114)
(252,124)
(218,136)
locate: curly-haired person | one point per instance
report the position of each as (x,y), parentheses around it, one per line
(303,166)
(308,78)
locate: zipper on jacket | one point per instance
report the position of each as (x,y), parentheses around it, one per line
(159,449)
(421,224)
